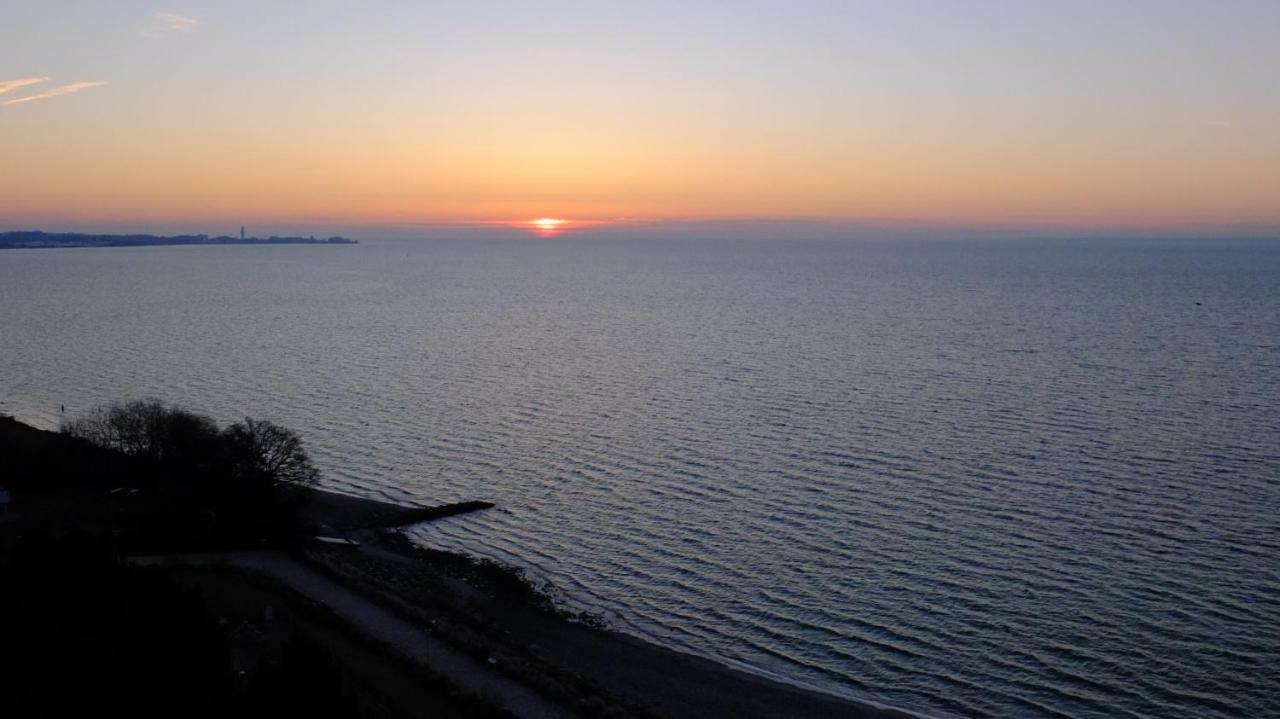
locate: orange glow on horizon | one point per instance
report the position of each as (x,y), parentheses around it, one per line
(777,116)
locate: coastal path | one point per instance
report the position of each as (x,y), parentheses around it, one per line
(381,624)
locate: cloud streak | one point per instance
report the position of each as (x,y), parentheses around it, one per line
(55,92)
(169,23)
(8,85)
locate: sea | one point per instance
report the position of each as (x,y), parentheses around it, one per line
(964,477)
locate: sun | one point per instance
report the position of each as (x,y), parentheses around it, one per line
(547,224)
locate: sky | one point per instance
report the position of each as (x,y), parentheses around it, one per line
(1072,116)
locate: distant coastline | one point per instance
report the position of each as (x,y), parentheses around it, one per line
(32,239)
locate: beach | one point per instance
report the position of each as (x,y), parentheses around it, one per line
(671,683)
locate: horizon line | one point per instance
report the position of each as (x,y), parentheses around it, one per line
(569,225)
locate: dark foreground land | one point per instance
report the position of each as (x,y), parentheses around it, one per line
(36,239)
(111,606)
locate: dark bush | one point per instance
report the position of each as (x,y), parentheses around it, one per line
(206,486)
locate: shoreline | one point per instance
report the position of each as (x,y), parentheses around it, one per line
(484,610)
(634,668)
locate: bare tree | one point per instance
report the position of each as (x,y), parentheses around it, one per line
(267,451)
(254,451)
(148,429)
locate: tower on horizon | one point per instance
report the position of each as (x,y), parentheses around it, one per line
(241,233)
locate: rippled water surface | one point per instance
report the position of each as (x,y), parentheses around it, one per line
(1034,479)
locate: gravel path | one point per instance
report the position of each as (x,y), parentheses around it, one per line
(411,640)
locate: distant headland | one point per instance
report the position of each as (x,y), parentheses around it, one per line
(36,239)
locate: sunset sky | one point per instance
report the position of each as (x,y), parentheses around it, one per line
(206,115)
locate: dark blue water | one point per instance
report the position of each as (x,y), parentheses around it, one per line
(1033,479)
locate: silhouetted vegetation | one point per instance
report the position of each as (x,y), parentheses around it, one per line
(164,478)
(84,633)
(149,430)
(262,452)
(251,453)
